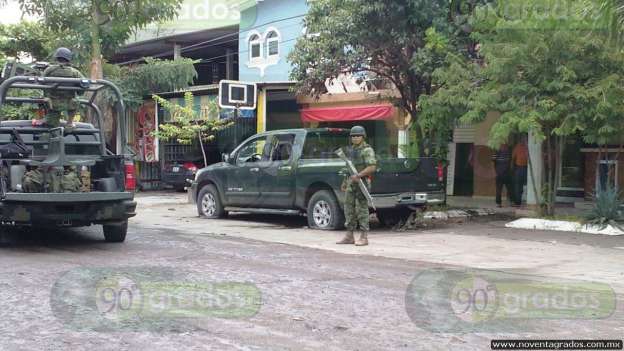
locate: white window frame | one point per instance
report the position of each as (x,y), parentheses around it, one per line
(272,59)
(275,39)
(251,43)
(264,60)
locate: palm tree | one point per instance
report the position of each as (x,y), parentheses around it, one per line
(607,17)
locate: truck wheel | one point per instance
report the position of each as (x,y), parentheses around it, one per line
(115,233)
(324,212)
(209,204)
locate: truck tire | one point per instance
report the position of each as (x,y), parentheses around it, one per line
(209,203)
(115,233)
(324,212)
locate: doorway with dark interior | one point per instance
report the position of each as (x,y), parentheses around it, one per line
(464,170)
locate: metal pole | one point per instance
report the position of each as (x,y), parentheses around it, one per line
(236,126)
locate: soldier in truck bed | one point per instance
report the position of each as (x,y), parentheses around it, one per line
(61,101)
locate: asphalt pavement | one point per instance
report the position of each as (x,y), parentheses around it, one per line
(251,282)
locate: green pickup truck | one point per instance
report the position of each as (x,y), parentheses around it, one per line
(296,171)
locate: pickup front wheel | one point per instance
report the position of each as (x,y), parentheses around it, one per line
(209,204)
(324,212)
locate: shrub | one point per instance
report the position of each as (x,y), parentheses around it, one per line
(607,209)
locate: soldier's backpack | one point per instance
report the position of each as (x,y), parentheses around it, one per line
(70,183)
(33,181)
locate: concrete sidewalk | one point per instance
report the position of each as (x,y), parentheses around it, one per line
(485,245)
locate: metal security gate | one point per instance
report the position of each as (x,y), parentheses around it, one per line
(229,138)
(176,152)
(149,175)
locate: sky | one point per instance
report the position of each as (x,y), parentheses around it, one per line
(11,13)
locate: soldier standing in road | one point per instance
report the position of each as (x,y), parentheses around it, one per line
(356,206)
(61,101)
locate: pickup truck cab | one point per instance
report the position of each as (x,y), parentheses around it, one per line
(106,178)
(296,171)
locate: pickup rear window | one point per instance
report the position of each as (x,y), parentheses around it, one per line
(321,145)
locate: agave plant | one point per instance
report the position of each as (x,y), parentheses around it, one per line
(607,209)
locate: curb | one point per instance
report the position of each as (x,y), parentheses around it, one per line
(459,214)
(562,226)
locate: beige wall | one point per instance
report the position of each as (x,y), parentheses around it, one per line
(482,130)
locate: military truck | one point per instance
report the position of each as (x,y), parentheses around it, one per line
(297,172)
(106,180)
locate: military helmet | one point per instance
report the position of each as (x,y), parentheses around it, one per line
(63,53)
(358,130)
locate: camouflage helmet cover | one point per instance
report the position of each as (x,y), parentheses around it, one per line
(358,130)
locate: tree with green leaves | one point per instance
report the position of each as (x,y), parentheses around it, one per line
(102,26)
(606,16)
(139,81)
(402,41)
(548,75)
(188,125)
(27,38)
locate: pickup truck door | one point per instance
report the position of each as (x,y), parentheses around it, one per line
(243,188)
(277,178)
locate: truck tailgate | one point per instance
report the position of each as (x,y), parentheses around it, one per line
(69,197)
(406,175)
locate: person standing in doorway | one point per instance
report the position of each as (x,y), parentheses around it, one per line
(520,160)
(356,206)
(502,167)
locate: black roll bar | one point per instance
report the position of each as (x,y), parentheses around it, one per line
(72,84)
(87,103)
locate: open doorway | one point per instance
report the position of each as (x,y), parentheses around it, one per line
(464,171)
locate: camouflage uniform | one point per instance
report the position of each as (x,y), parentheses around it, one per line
(356,205)
(61,100)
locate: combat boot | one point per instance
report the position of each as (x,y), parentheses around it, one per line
(363,240)
(348,239)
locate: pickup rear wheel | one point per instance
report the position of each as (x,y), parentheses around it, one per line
(115,233)
(324,212)
(209,204)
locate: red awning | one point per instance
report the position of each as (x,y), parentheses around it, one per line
(347,113)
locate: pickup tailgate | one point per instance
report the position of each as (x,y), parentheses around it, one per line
(401,175)
(69,197)
(67,209)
